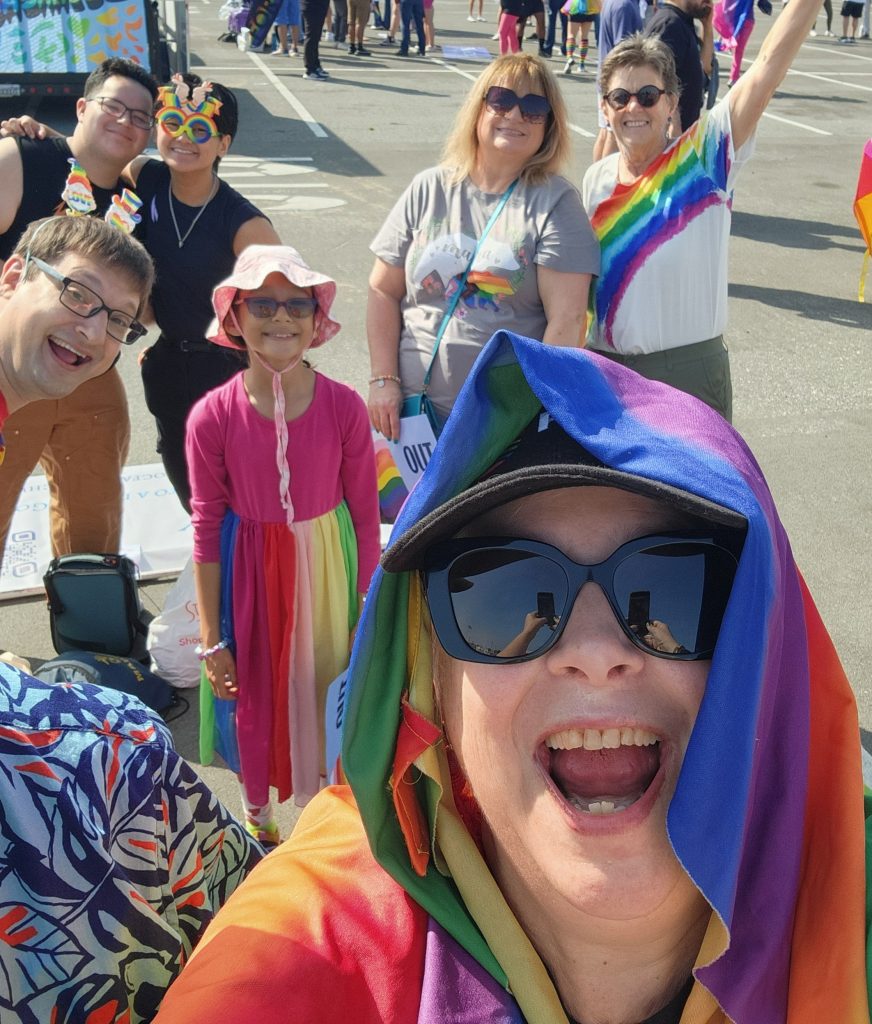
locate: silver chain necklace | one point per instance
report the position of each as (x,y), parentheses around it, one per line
(183,238)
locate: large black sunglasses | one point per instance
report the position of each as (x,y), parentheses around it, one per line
(647,96)
(534,108)
(263,308)
(85,302)
(497,600)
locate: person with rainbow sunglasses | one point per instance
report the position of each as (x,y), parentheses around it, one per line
(193,225)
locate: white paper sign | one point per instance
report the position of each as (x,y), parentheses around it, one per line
(156,531)
(334,718)
(414,449)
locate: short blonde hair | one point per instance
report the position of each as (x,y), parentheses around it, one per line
(516,70)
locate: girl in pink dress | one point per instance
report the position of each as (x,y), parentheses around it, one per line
(286,531)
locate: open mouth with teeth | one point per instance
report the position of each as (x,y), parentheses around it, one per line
(66,354)
(602,771)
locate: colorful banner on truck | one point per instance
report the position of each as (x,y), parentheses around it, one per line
(70,36)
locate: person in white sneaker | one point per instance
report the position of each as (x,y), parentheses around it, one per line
(287,19)
(314,12)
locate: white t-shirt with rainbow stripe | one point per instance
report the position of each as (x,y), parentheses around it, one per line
(665,241)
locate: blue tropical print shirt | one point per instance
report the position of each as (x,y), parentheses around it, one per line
(114,855)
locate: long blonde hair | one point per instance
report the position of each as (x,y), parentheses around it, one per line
(512,71)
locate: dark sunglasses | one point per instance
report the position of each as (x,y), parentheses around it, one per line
(266,309)
(534,109)
(497,601)
(647,96)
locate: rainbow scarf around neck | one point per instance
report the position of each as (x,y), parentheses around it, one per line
(633,222)
(767,817)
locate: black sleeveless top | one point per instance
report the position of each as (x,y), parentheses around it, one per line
(185,277)
(45,169)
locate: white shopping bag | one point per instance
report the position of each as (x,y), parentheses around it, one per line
(173,636)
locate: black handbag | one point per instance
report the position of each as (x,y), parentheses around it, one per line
(93,603)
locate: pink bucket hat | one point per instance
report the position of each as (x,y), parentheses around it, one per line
(252,268)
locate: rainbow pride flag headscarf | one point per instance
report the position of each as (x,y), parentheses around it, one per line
(767,817)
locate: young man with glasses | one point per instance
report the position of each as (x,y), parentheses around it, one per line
(84,436)
(603,764)
(70,297)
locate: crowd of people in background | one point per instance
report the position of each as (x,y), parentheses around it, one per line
(578,20)
(494,265)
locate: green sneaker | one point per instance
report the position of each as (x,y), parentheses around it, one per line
(267,835)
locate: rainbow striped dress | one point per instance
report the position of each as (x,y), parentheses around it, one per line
(289,595)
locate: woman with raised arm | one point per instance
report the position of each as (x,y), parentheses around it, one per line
(662,207)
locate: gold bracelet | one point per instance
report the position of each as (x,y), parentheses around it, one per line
(382,377)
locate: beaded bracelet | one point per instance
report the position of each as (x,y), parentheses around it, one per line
(382,377)
(203,654)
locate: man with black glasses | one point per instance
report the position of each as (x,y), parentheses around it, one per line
(81,440)
(70,297)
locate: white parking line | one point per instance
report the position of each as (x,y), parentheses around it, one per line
(456,70)
(275,184)
(270,170)
(252,160)
(831,81)
(347,70)
(286,93)
(851,53)
(251,194)
(795,124)
(582,131)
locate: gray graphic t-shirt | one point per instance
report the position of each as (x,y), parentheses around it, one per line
(432,232)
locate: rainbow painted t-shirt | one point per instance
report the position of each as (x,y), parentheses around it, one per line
(664,241)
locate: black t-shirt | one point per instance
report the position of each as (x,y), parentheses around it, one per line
(185,277)
(45,169)
(677,31)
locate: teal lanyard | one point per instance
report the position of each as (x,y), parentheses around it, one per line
(452,305)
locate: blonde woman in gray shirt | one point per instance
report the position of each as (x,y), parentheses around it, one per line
(493,237)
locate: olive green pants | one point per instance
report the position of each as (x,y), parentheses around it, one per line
(702,370)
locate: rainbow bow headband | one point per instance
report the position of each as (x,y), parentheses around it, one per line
(183,112)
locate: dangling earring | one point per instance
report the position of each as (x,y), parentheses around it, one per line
(669,128)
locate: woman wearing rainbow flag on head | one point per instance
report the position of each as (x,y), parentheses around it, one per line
(634,801)
(661,208)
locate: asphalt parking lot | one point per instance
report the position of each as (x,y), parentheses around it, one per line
(326,160)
